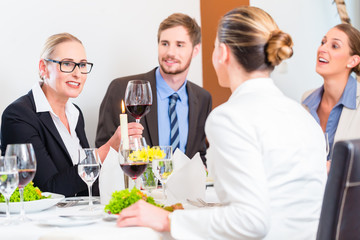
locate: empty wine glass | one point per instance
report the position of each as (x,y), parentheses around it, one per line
(26,164)
(89,169)
(138,98)
(9,180)
(134,160)
(163,167)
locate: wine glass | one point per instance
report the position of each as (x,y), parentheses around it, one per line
(138,98)
(9,180)
(26,164)
(89,169)
(134,160)
(163,167)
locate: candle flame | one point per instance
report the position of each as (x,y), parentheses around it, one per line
(122,106)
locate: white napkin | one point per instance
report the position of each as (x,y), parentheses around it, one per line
(111,177)
(187,180)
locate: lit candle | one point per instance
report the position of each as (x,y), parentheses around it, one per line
(124,126)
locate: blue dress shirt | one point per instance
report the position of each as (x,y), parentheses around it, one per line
(164,91)
(348,100)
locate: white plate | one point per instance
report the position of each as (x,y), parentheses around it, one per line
(66,222)
(34,206)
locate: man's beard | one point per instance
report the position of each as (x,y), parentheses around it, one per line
(176,71)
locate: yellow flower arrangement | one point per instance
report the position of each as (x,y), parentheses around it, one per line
(148,153)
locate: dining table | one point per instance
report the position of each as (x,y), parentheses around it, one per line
(75,223)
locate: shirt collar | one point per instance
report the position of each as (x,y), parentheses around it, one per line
(165,91)
(348,98)
(43,105)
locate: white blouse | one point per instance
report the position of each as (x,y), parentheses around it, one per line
(71,140)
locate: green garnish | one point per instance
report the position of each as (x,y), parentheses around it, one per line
(31,193)
(124,198)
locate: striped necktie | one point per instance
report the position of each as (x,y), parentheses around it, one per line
(174,125)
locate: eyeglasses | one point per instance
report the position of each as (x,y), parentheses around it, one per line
(69,66)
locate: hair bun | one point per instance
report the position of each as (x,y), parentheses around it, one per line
(279,47)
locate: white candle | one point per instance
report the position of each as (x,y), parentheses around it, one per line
(124,126)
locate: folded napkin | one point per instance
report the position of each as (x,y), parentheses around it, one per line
(187,180)
(111,177)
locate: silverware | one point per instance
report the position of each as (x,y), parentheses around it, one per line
(206,204)
(67,204)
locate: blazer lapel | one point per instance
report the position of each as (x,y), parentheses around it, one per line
(346,121)
(193,117)
(49,124)
(151,119)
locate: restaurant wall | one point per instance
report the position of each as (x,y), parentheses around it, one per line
(120,38)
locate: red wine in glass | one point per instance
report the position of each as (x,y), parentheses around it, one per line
(138,98)
(25,176)
(138,111)
(134,170)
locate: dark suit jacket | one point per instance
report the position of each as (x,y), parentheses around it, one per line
(200,104)
(55,171)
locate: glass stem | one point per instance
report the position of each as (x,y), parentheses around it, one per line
(164,190)
(22,209)
(90,195)
(137,120)
(7,199)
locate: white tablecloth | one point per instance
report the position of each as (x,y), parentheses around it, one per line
(99,230)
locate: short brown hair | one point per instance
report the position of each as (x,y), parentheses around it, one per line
(180,19)
(354,41)
(254,38)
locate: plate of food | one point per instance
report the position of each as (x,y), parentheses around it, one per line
(124,198)
(34,200)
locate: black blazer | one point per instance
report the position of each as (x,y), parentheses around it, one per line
(200,104)
(55,171)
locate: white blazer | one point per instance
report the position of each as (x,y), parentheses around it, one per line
(349,122)
(267,158)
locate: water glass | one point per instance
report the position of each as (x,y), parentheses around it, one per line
(163,167)
(9,180)
(89,169)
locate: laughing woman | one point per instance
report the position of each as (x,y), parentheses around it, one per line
(46,118)
(335,105)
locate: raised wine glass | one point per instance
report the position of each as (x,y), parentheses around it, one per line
(89,169)
(134,160)
(163,167)
(138,98)
(26,164)
(9,180)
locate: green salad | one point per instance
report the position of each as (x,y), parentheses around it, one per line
(124,198)
(31,193)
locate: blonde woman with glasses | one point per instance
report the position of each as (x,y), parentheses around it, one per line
(46,118)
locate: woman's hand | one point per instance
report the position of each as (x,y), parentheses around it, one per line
(134,129)
(144,214)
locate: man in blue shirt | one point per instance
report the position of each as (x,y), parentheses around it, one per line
(180,107)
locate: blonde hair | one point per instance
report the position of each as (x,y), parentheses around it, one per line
(180,19)
(52,42)
(254,38)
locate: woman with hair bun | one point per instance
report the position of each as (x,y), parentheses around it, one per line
(335,105)
(266,155)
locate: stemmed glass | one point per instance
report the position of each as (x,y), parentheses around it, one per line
(134,160)
(89,169)
(138,98)
(26,164)
(163,167)
(9,180)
